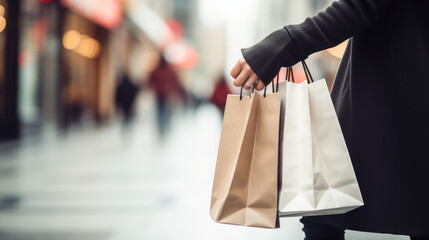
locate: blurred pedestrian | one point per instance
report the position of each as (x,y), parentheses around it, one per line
(165,83)
(380,95)
(126,93)
(221,91)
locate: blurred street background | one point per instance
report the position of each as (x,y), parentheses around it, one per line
(111,111)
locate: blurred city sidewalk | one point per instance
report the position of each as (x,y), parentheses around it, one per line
(117,182)
(121,183)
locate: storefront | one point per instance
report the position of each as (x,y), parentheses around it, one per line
(67,58)
(89,66)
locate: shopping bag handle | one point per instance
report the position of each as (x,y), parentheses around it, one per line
(265,91)
(289,75)
(275,88)
(307,72)
(241,91)
(277,84)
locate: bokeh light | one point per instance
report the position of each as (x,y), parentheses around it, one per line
(2,24)
(71,39)
(2,10)
(84,45)
(2,19)
(181,55)
(89,47)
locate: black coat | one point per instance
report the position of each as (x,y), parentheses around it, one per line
(381,95)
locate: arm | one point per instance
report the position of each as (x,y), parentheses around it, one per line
(289,45)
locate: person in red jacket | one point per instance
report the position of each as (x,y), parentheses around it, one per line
(166,85)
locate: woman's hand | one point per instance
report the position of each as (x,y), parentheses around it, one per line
(245,76)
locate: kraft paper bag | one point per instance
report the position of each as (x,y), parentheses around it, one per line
(316,175)
(245,185)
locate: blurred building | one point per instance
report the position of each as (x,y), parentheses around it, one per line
(61,64)
(58,63)
(64,61)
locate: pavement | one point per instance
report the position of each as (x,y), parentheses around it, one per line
(120,182)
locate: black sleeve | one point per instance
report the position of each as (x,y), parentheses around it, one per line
(293,43)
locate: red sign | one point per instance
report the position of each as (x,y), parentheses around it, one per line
(107,13)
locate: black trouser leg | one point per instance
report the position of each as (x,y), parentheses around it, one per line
(319,231)
(419,237)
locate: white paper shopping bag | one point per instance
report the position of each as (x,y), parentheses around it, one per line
(316,173)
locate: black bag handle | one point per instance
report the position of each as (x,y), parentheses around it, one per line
(289,75)
(272,84)
(265,91)
(277,84)
(241,91)
(275,89)
(307,72)
(289,72)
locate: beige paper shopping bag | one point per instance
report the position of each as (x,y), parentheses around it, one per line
(245,183)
